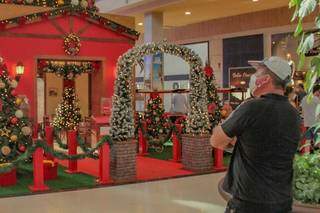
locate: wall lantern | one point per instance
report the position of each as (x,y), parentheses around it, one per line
(19,69)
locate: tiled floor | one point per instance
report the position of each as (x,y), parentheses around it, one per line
(191,194)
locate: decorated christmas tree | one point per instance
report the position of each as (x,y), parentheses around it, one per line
(214,103)
(154,117)
(68,114)
(15,127)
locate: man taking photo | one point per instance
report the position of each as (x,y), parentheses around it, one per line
(266,133)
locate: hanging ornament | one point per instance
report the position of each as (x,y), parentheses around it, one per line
(84,4)
(60,2)
(208,71)
(2,85)
(75,2)
(14,92)
(22,148)
(14,120)
(13,83)
(19,114)
(212,107)
(26,130)
(157,119)
(14,138)
(18,101)
(5,150)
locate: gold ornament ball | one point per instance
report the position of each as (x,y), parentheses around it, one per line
(60,2)
(18,101)
(14,138)
(5,150)
(26,130)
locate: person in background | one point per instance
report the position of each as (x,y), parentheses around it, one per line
(265,132)
(309,113)
(301,93)
(179,103)
(292,97)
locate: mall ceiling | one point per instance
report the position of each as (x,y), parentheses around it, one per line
(201,10)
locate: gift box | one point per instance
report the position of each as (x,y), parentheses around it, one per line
(50,170)
(9,178)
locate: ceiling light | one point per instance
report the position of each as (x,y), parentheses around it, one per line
(255,0)
(187,13)
(140,24)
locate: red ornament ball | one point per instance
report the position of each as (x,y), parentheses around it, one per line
(14,93)
(14,120)
(212,107)
(22,148)
(208,71)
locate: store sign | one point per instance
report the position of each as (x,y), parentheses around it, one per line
(239,77)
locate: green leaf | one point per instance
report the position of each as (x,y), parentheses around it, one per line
(292,3)
(299,28)
(307,44)
(317,21)
(302,58)
(307,7)
(318,110)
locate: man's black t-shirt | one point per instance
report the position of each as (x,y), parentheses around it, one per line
(268,133)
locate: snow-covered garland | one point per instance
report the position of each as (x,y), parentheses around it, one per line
(122,118)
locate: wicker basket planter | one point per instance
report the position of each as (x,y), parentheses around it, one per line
(123,161)
(197,153)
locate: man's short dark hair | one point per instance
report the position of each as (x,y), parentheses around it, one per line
(277,82)
(316,88)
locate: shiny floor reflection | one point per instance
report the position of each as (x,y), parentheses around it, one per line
(191,194)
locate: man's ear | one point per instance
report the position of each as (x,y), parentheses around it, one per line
(263,80)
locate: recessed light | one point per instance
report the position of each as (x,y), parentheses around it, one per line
(187,13)
(255,0)
(140,24)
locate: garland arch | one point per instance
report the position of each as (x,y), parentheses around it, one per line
(122,118)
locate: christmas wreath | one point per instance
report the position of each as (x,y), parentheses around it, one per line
(72,44)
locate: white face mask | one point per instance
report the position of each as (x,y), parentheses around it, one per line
(252,84)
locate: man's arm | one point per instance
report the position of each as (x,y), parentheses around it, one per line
(219,139)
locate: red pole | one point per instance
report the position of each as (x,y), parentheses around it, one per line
(38,173)
(35,131)
(176,148)
(104,159)
(72,150)
(49,139)
(218,160)
(142,143)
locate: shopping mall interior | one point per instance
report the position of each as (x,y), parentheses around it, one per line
(135,106)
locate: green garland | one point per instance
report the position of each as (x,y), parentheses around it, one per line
(67,71)
(7,167)
(70,9)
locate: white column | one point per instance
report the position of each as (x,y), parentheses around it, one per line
(153,32)
(267,45)
(153,26)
